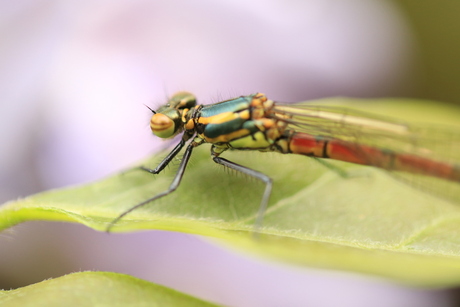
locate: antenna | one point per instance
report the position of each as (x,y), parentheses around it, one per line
(150,109)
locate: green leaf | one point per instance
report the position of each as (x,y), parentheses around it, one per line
(368,222)
(96,289)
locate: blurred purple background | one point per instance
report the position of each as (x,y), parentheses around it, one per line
(75,76)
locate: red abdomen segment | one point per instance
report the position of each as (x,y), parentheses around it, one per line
(305,144)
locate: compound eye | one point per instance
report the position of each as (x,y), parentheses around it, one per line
(162,126)
(183,100)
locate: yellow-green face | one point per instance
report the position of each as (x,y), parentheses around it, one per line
(163,124)
(168,120)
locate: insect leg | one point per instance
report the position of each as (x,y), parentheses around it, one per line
(262,177)
(174,184)
(339,171)
(166,160)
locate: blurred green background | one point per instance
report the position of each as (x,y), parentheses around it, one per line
(436,28)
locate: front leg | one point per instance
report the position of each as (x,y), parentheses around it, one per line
(174,184)
(170,156)
(166,160)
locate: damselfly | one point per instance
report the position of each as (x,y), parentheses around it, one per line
(256,123)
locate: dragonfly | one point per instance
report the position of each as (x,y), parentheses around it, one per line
(256,123)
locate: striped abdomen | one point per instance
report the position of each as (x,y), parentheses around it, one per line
(305,144)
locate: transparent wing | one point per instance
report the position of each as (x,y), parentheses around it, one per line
(364,129)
